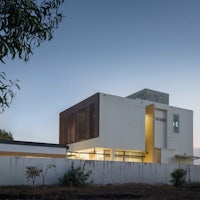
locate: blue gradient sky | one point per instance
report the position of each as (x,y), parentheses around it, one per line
(112,46)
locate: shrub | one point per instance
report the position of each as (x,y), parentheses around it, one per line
(43,172)
(32,172)
(75,176)
(178,177)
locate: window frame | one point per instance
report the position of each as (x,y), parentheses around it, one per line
(176,123)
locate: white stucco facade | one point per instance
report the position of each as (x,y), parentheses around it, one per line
(121,123)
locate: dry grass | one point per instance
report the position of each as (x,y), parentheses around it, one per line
(120,192)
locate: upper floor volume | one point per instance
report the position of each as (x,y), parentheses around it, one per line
(141,127)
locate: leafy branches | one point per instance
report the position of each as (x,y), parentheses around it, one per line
(32,172)
(178,177)
(4,135)
(6,91)
(45,170)
(75,176)
(24,25)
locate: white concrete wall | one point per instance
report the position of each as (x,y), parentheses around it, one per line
(176,143)
(85,144)
(122,123)
(31,149)
(12,171)
(182,141)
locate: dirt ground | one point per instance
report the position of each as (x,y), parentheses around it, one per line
(120,192)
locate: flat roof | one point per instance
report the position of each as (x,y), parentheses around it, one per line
(32,143)
(151,95)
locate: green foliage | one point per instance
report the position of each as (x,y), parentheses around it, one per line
(6,91)
(5,135)
(25,24)
(178,177)
(75,176)
(32,172)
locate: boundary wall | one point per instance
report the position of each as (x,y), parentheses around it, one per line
(12,171)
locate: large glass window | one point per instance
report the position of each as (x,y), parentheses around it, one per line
(128,156)
(176,124)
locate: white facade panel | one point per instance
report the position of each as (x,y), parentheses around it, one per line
(121,123)
(31,149)
(182,141)
(86,144)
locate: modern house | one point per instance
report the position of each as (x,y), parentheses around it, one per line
(142,127)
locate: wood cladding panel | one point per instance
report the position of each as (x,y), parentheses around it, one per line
(80,122)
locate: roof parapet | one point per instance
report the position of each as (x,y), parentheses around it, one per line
(151,95)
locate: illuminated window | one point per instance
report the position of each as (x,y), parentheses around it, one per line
(176,123)
(129,156)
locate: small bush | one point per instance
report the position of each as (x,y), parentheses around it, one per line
(75,176)
(178,177)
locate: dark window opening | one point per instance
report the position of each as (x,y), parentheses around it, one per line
(176,124)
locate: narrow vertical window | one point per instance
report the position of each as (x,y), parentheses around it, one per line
(176,124)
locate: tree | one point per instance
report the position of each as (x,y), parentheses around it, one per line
(24,25)
(43,174)
(5,135)
(45,170)
(32,172)
(6,91)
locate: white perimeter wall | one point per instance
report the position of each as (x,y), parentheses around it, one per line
(12,171)
(121,123)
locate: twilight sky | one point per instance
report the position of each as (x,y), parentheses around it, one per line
(112,46)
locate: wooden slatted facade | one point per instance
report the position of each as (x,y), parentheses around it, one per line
(80,122)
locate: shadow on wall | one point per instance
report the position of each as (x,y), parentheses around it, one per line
(197,153)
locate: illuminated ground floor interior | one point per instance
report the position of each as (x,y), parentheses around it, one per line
(107,154)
